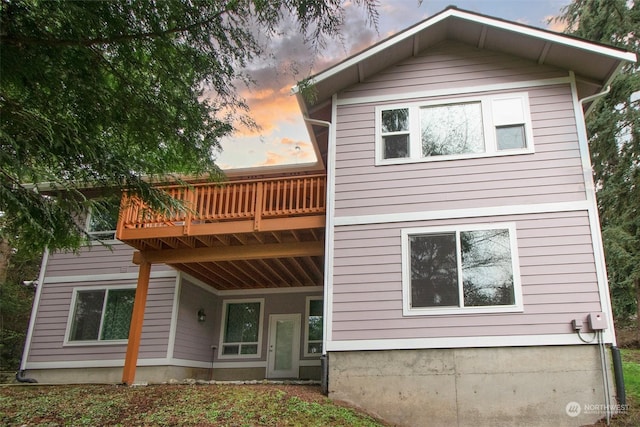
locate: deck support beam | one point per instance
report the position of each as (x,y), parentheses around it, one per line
(135,329)
(229,253)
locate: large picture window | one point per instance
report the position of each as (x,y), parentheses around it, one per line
(314,327)
(488,125)
(241,328)
(460,269)
(101,315)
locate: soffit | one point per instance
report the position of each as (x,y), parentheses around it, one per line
(594,64)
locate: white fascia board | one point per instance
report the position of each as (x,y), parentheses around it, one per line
(354,60)
(547,36)
(516,28)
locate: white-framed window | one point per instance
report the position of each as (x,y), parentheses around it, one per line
(469,127)
(460,269)
(241,333)
(102,220)
(100,315)
(313,330)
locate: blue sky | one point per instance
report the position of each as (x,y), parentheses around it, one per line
(282,137)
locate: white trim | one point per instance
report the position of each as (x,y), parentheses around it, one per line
(460,342)
(223,322)
(330,226)
(488,116)
(119,363)
(581,205)
(34,309)
(307,313)
(497,87)
(108,277)
(594,220)
(545,35)
(72,309)
(174,316)
(407,310)
(517,28)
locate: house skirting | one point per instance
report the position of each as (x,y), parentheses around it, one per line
(157,374)
(474,386)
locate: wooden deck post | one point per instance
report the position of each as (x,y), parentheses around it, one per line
(258,207)
(135,329)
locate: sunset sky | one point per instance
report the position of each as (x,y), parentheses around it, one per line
(282,137)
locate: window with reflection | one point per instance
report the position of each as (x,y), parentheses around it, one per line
(313,335)
(241,328)
(101,315)
(468,127)
(461,268)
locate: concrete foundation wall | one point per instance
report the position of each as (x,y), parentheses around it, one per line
(524,386)
(144,374)
(156,374)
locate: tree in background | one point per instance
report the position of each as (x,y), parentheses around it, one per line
(614,141)
(111,95)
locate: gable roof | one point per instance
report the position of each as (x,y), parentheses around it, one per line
(594,64)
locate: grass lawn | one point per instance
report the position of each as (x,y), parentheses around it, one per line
(214,405)
(174,405)
(631,371)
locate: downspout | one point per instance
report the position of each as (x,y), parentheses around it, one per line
(32,320)
(595,95)
(324,361)
(615,353)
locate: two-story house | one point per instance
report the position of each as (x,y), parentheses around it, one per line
(444,254)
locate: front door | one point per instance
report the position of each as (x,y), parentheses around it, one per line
(284,346)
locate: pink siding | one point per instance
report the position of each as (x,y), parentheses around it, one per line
(557,273)
(193,338)
(451,65)
(552,174)
(95,259)
(51,323)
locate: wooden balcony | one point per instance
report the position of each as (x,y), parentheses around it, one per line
(239,234)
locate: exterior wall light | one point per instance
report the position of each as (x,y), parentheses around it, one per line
(202,316)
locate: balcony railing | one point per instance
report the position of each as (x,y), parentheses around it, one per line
(210,203)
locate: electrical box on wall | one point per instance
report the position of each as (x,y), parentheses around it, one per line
(597,321)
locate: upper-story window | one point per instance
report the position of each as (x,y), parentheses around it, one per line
(103,219)
(482,126)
